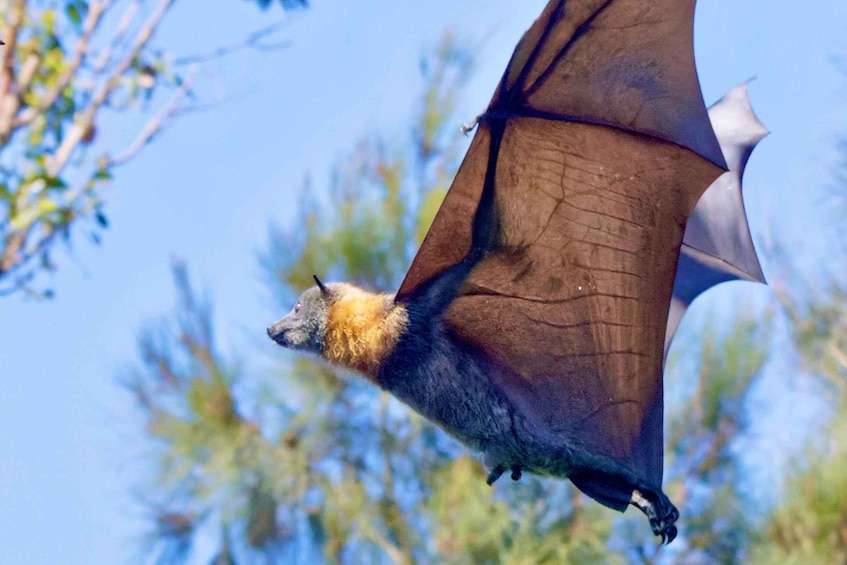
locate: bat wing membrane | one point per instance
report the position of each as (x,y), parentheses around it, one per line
(605,151)
(717,246)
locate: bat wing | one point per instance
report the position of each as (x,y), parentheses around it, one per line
(717,246)
(598,145)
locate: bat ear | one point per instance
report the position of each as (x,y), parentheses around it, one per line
(324,290)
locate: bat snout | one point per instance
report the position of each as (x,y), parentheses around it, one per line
(276,332)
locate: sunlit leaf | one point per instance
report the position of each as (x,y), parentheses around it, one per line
(30,214)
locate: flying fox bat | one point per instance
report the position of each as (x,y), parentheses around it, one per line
(531,323)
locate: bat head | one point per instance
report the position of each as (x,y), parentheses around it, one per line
(304,327)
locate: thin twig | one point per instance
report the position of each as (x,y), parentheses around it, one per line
(124,24)
(252,41)
(156,124)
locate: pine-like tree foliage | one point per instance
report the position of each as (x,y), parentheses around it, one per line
(809,522)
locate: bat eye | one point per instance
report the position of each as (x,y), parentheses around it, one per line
(297,307)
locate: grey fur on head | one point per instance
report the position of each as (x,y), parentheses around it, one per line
(304,327)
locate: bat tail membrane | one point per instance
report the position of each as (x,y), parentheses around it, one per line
(608,490)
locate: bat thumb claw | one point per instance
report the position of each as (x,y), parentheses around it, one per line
(468,127)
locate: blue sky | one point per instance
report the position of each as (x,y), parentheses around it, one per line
(207,189)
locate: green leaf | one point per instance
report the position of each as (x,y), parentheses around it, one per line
(103,174)
(73,14)
(55,182)
(49,19)
(101,218)
(77,11)
(28,216)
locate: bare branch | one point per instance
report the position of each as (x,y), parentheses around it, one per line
(29,69)
(9,259)
(123,27)
(155,125)
(394,553)
(126,20)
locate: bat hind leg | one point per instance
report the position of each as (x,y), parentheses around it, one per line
(498,471)
(659,510)
(495,474)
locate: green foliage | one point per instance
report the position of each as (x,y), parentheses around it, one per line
(67,65)
(819,327)
(214,464)
(809,524)
(535,521)
(706,417)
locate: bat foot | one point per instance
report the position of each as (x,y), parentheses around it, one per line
(498,471)
(495,474)
(660,511)
(516,472)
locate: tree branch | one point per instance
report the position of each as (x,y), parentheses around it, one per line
(9,101)
(92,21)
(9,259)
(86,118)
(155,125)
(15,18)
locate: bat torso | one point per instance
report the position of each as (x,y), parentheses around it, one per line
(445,380)
(454,384)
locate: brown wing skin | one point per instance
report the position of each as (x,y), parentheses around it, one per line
(605,151)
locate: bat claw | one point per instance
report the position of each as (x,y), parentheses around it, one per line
(660,511)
